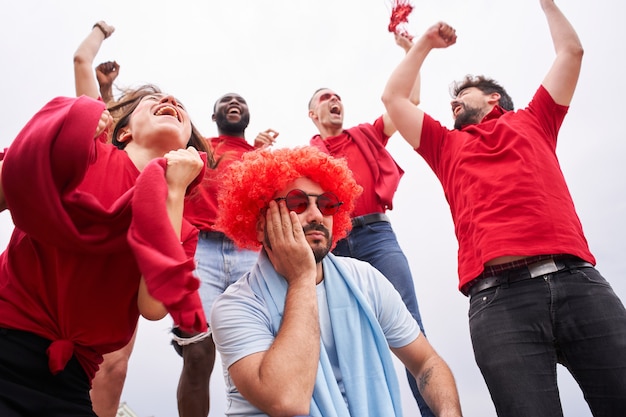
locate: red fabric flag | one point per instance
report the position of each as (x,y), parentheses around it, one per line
(401,9)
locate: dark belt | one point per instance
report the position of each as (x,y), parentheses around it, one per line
(534,270)
(369,219)
(210,234)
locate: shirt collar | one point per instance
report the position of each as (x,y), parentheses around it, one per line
(495,113)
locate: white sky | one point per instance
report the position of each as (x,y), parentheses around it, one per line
(275,53)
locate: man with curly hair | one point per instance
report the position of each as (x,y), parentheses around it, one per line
(535,297)
(307,332)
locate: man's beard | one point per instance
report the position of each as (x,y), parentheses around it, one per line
(468,116)
(319,253)
(232,128)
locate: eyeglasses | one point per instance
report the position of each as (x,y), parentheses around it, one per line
(328,96)
(298,201)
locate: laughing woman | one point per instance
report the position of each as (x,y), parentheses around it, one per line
(99,239)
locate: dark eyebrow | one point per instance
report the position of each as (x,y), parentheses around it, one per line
(230,97)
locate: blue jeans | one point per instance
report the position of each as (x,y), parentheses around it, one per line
(520,331)
(376,243)
(219,264)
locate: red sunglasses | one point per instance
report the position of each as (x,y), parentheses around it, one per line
(328,96)
(298,201)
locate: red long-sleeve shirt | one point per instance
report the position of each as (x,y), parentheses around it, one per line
(88,225)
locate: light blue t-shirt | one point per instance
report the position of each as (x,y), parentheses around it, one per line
(240,324)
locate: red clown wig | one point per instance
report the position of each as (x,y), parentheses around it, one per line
(250,184)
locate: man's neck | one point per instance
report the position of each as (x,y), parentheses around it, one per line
(320,273)
(327,132)
(231,134)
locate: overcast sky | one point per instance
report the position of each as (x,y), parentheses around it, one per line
(275,53)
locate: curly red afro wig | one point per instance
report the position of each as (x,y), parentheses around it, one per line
(249,184)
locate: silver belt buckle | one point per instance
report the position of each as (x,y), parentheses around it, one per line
(542,268)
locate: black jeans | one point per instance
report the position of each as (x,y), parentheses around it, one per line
(28,388)
(520,331)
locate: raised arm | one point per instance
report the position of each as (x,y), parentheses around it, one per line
(433,376)
(84,57)
(563,75)
(400,87)
(183,166)
(404,41)
(280,380)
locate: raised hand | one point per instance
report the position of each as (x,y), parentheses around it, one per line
(105,121)
(183,166)
(287,247)
(265,138)
(404,41)
(107,72)
(441,35)
(106,29)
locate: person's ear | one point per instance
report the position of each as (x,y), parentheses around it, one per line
(260,227)
(124,136)
(312,115)
(494,98)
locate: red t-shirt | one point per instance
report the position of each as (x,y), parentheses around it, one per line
(374,169)
(201,205)
(71,270)
(504,185)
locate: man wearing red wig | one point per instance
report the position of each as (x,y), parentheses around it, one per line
(307,332)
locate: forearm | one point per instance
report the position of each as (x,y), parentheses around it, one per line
(437,386)
(404,83)
(106,92)
(401,95)
(289,367)
(149,307)
(175,207)
(83,62)
(414,97)
(564,36)
(405,42)
(561,79)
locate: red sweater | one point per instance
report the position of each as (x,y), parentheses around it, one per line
(88,225)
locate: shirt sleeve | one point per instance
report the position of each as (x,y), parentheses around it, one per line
(548,113)
(431,142)
(163,261)
(59,142)
(240,323)
(397,323)
(379,126)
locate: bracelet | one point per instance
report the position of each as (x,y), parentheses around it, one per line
(99,26)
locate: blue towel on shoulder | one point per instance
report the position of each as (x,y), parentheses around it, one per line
(367,369)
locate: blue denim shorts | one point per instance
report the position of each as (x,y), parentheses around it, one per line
(219,263)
